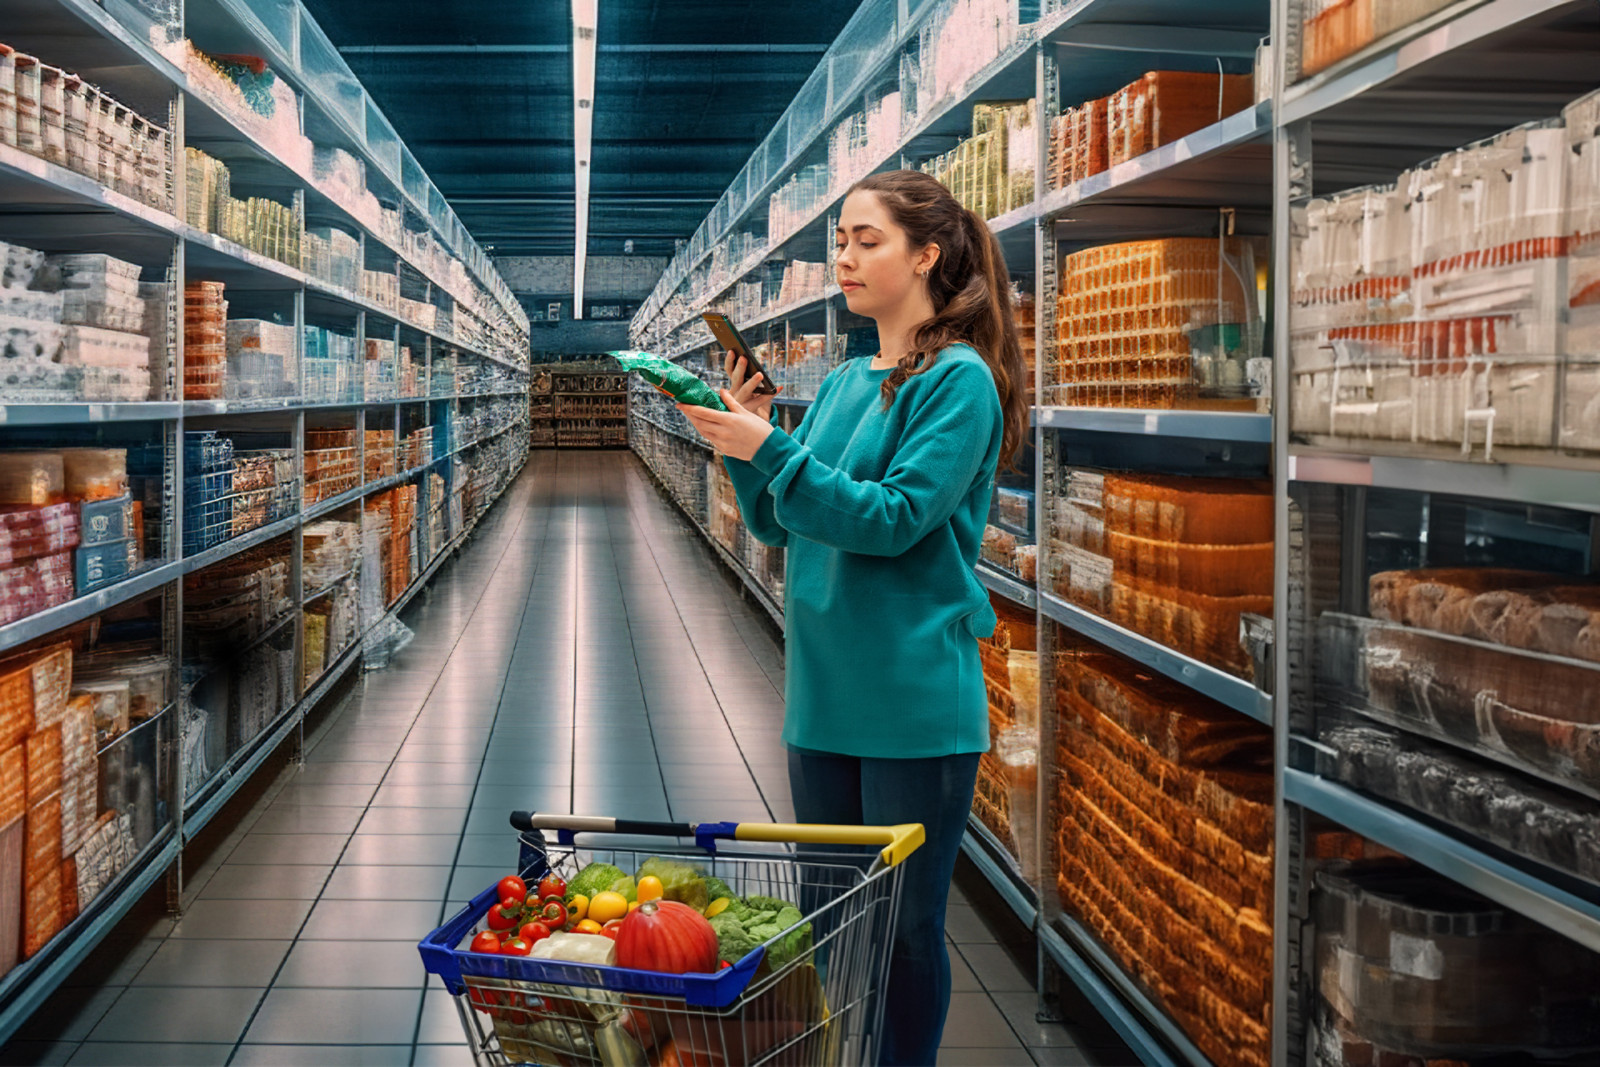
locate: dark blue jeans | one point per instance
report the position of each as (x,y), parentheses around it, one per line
(830,788)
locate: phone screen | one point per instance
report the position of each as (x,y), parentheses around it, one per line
(728,337)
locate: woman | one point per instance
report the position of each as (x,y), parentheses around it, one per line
(881,496)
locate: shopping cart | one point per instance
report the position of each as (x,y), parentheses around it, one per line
(823,1006)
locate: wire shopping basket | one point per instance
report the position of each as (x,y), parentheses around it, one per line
(811,994)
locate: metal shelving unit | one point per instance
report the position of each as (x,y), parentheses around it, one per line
(82,216)
(1469,70)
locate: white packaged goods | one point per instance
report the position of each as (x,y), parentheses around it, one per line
(1455,305)
(70,329)
(59,117)
(260,359)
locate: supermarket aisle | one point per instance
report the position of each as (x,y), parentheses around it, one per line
(585,653)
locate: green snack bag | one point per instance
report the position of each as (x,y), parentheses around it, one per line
(684,386)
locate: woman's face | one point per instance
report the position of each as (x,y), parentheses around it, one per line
(877,267)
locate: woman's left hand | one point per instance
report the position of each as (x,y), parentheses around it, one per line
(736,432)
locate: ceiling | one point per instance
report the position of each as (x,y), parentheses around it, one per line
(481,92)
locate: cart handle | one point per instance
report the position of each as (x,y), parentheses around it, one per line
(898,841)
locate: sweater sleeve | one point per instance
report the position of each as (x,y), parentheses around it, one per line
(750,483)
(944,445)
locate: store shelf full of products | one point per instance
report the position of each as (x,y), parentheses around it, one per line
(1252,494)
(258,387)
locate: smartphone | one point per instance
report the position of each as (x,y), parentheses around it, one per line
(728,337)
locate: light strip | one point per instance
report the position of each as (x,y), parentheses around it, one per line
(585,17)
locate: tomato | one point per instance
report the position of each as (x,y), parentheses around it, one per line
(502,917)
(649,889)
(511,886)
(610,929)
(486,941)
(533,932)
(587,926)
(485,999)
(553,914)
(516,946)
(552,885)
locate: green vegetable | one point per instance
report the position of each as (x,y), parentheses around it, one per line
(595,878)
(716,887)
(757,920)
(733,942)
(684,386)
(679,881)
(627,887)
(771,917)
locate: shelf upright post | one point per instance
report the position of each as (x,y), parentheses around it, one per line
(172,503)
(1291,181)
(1047,976)
(297,578)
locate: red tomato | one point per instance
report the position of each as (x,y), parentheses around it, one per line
(516,946)
(486,941)
(502,917)
(552,885)
(485,999)
(553,914)
(511,886)
(533,932)
(610,929)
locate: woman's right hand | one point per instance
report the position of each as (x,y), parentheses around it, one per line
(745,391)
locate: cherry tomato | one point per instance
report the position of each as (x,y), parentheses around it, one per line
(486,941)
(511,886)
(725,965)
(533,932)
(516,946)
(502,917)
(610,929)
(552,885)
(553,914)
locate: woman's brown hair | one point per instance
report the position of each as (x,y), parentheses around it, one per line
(970,289)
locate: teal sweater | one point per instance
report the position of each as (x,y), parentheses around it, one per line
(882,514)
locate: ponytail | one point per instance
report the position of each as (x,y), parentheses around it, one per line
(970,290)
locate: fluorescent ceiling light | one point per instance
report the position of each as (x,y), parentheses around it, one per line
(585,16)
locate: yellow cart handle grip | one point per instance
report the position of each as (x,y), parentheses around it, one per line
(898,841)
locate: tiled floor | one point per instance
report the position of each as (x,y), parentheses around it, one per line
(584,653)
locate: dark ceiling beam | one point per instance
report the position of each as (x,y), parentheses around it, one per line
(727,48)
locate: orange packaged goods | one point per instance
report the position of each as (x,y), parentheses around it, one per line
(1338,28)
(380,454)
(1178,560)
(33,691)
(1166,105)
(31,479)
(1160,324)
(95,473)
(41,919)
(1163,823)
(13,784)
(205,341)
